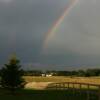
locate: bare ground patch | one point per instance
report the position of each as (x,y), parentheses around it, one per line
(37,85)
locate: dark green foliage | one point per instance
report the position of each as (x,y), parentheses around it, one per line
(80,73)
(11,75)
(92,72)
(47,95)
(33,73)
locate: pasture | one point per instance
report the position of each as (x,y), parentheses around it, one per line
(60,94)
(91,80)
(43,82)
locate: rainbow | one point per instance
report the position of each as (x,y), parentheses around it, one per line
(55,26)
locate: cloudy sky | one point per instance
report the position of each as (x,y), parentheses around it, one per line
(25,23)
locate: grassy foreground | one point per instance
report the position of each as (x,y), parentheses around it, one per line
(45,95)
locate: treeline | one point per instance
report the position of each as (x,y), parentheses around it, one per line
(80,73)
(33,73)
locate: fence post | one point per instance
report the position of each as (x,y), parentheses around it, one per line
(73,85)
(88,95)
(68,85)
(64,87)
(80,86)
(73,88)
(56,86)
(99,93)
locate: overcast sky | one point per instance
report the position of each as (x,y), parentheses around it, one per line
(24,24)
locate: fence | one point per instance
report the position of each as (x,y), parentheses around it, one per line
(88,88)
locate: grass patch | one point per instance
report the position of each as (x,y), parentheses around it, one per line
(27,94)
(91,80)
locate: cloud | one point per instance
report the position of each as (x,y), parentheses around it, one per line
(24,23)
(6,1)
(79,32)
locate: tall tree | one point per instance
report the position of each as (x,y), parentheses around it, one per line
(11,75)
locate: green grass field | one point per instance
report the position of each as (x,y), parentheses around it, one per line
(29,94)
(45,95)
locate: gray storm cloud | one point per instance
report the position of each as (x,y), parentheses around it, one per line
(79,32)
(24,23)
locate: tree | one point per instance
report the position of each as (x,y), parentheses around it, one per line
(11,75)
(81,73)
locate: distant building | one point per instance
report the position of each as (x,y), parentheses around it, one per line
(43,75)
(47,75)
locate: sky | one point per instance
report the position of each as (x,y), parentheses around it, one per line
(24,25)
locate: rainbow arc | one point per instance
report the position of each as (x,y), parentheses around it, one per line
(51,32)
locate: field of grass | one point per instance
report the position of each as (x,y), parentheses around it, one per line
(42,82)
(45,95)
(30,94)
(91,80)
